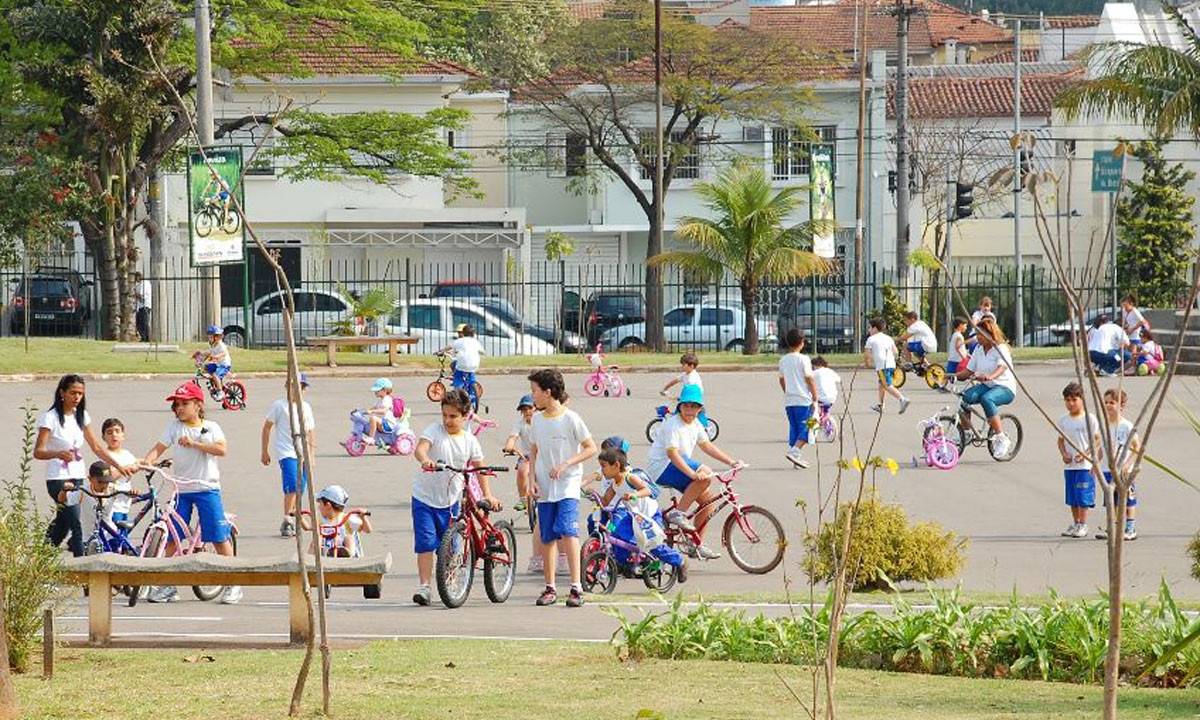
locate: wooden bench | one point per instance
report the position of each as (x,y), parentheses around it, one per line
(100,573)
(333,342)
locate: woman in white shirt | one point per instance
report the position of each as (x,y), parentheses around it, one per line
(991,366)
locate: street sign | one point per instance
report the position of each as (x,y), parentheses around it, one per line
(1106,171)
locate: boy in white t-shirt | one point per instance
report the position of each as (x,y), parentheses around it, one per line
(799,395)
(688,375)
(880,353)
(919,339)
(1125,447)
(1079,438)
(467,357)
(217,362)
(112,430)
(279,431)
(559,445)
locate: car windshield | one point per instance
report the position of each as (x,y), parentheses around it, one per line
(628,305)
(824,306)
(50,287)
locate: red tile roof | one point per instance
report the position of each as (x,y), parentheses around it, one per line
(1006,57)
(950,23)
(1072,21)
(587,9)
(967,97)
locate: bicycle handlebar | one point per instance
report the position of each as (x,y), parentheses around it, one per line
(467,471)
(113,494)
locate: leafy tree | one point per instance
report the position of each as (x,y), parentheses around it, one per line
(115,77)
(1155,230)
(747,238)
(600,90)
(504,41)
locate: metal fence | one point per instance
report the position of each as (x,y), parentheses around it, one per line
(547,305)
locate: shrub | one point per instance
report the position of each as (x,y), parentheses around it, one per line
(892,311)
(1194,553)
(884,548)
(30,567)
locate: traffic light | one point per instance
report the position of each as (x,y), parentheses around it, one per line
(963,200)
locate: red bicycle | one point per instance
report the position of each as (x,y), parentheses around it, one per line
(472,536)
(752,535)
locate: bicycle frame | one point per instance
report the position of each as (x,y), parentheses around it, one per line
(326,529)
(479,527)
(727,497)
(112,538)
(169,521)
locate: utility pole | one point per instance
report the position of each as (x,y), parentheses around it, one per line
(1018,184)
(860,199)
(903,11)
(654,289)
(210,294)
(158,261)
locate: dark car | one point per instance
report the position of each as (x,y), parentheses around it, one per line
(570,342)
(59,302)
(605,309)
(466,289)
(834,324)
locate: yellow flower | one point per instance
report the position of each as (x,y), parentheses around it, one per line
(892,466)
(857,464)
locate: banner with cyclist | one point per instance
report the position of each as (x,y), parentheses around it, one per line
(215,225)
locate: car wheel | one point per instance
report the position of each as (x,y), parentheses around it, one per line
(630,343)
(235,337)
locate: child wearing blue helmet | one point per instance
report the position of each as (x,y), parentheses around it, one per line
(217,363)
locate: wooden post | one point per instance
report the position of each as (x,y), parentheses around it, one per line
(48,644)
(99,609)
(330,349)
(392,353)
(8,696)
(298,626)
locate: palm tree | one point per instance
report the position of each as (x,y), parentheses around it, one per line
(1154,85)
(746,238)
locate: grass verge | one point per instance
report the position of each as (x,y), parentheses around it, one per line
(497,680)
(63,355)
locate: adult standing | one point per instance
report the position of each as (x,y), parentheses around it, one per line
(991,366)
(143,294)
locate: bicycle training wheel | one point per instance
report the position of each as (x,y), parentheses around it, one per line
(435,391)
(500,569)
(935,376)
(755,541)
(652,429)
(455,565)
(599,573)
(1011,427)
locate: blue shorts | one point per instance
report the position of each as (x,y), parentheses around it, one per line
(558,520)
(886,376)
(951,367)
(289,471)
(674,478)
(916,348)
(122,517)
(1130,501)
(429,525)
(1080,488)
(214,528)
(218,370)
(797,417)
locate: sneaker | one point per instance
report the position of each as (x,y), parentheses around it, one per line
(287,529)
(163,595)
(904,405)
(1081,531)
(232,595)
(795,457)
(1101,534)
(561,566)
(575,598)
(1130,533)
(704,553)
(519,506)
(1001,444)
(1070,531)
(679,520)
(877,407)
(536,565)
(421,596)
(548,597)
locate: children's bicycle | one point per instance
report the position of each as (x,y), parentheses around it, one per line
(398,440)
(477,424)
(940,451)
(605,379)
(110,537)
(600,569)
(437,389)
(164,530)
(752,535)
(530,500)
(933,373)
(234,397)
(964,435)
(329,548)
(470,537)
(825,429)
(711,427)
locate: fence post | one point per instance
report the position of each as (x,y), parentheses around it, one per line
(47,644)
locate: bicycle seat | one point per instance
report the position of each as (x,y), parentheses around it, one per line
(125,525)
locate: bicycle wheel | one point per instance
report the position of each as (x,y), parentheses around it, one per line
(435,391)
(1011,427)
(942,453)
(652,429)
(232,223)
(152,546)
(599,573)
(212,592)
(827,430)
(712,429)
(594,388)
(948,424)
(616,386)
(205,222)
(499,574)
(899,378)
(755,541)
(455,565)
(235,396)
(935,376)
(660,576)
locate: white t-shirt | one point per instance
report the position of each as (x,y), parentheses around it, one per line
(958,348)
(1079,432)
(121,503)
(674,433)
(145,295)
(281,437)
(388,407)
(1113,337)
(829,385)
(691,378)
(1095,340)
(521,430)
(466,353)
(441,489)
(1122,431)
(795,369)
(922,333)
(1151,350)
(220,349)
(66,435)
(557,439)
(1132,323)
(979,315)
(191,463)
(985,362)
(883,350)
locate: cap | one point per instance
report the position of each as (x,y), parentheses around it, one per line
(335,494)
(616,441)
(215,330)
(460,328)
(303,379)
(525,401)
(691,394)
(187,391)
(381,384)
(98,469)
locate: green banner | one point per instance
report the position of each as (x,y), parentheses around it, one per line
(821,200)
(214,223)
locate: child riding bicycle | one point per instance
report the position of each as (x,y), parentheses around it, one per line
(339,531)
(216,360)
(918,339)
(634,502)
(466,351)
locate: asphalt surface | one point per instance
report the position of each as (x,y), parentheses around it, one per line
(1010,512)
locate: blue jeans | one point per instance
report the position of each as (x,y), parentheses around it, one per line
(987,397)
(1109,362)
(465,381)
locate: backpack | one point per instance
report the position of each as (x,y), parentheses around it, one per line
(398,407)
(655,490)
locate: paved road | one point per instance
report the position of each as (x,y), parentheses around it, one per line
(1011,513)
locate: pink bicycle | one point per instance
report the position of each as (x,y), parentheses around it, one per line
(477,424)
(940,451)
(605,379)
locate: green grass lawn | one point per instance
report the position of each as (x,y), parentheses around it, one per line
(526,680)
(62,355)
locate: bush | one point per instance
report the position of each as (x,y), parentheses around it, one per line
(892,311)
(1194,553)
(31,569)
(884,548)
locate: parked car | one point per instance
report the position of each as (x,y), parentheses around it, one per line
(1061,333)
(459,289)
(695,326)
(834,327)
(607,309)
(317,312)
(435,322)
(58,299)
(570,342)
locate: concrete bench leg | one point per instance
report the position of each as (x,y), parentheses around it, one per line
(392,354)
(299,629)
(99,609)
(330,349)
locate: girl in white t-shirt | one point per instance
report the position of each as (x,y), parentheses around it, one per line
(62,432)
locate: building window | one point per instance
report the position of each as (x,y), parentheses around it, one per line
(567,155)
(789,151)
(248,137)
(687,166)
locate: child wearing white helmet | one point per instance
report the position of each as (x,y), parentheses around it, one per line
(217,362)
(339,530)
(381,414)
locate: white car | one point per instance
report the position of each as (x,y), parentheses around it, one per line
(435,321)
(696,326)
(316,313)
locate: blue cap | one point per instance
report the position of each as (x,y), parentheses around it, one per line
(691,394)
(381,384)
(525,401)
(215,330)
(615,441)
(335,494)
(303,379)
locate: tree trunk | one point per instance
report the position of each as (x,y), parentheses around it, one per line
(1116,540)
(749,304)
(654,296)
(8,696)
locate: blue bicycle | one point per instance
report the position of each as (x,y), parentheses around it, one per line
(113,537)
